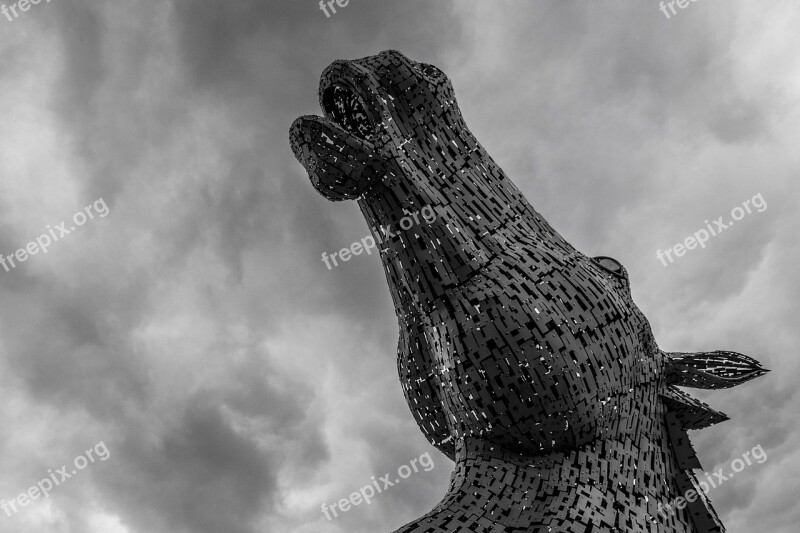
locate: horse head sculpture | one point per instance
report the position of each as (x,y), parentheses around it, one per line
(522,359)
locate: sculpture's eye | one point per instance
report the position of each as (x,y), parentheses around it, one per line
(612,266)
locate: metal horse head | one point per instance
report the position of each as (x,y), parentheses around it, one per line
(513,344)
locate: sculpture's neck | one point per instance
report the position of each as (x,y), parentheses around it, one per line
(626,483)
(602,484)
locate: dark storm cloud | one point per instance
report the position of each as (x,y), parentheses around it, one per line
(211,471)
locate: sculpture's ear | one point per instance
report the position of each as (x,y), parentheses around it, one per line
(690,412)
(704,370)
(711,370)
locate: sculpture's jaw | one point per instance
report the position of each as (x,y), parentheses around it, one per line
(337,148)
(341,166)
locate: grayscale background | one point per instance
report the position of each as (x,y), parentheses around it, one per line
(237,382)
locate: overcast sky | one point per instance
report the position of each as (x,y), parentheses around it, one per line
(236,382)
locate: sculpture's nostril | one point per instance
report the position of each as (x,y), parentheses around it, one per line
(344,107)
(430,71)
